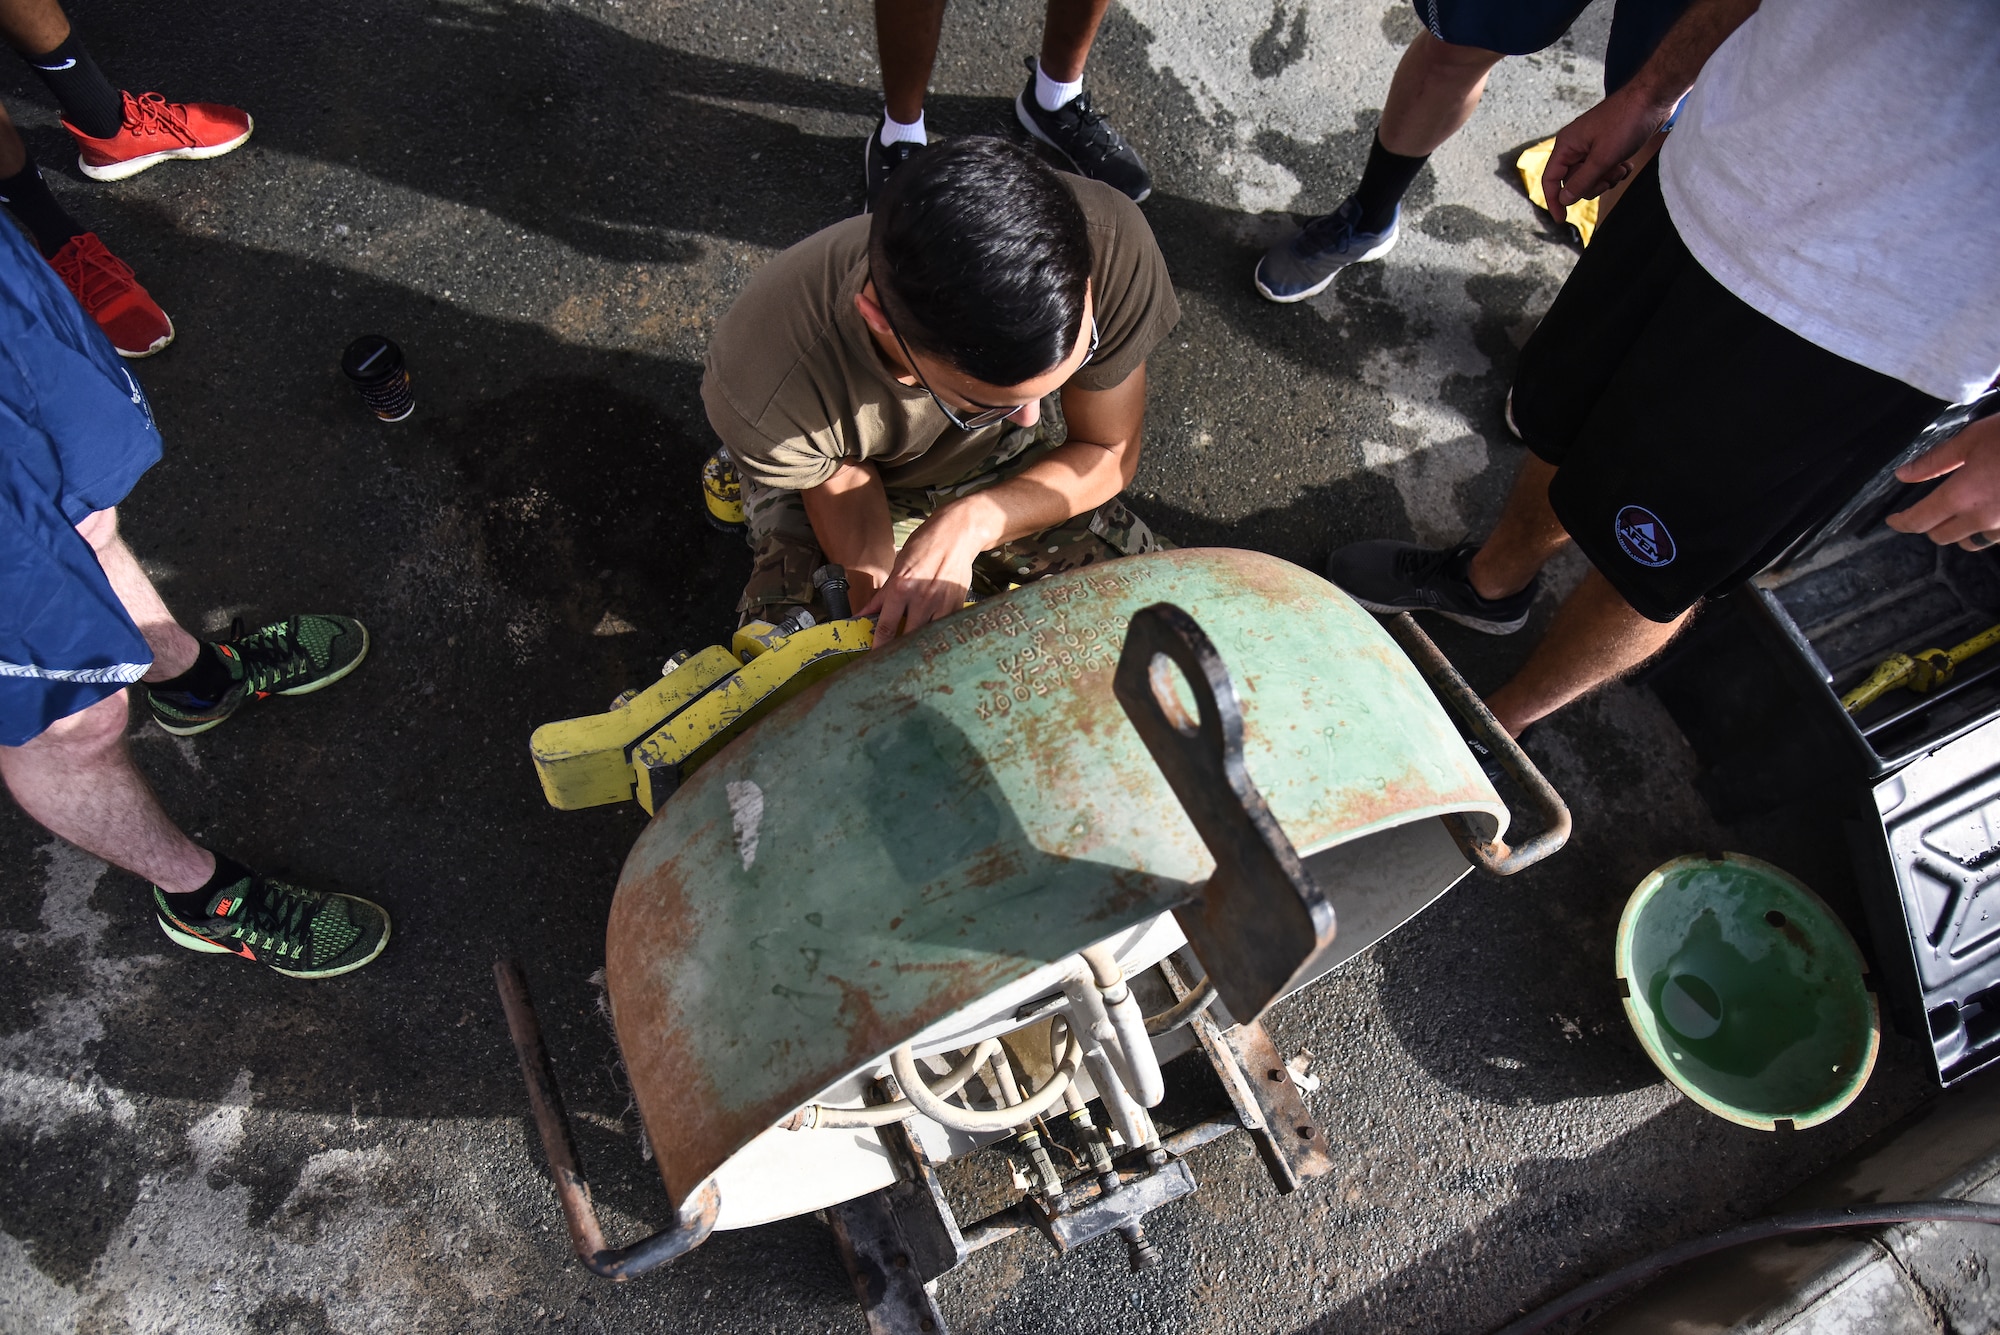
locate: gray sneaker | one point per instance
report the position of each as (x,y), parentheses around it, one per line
(1302,267)
(1389,576)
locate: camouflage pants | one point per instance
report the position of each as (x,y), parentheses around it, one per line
(785,552)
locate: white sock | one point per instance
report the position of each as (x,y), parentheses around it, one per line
(1049,95)
(895,132)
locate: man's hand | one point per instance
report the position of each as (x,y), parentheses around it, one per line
(934,570)
(1594,152)
(1966,508)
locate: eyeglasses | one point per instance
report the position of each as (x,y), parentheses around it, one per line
(986,416)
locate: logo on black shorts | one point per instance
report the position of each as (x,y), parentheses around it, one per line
(1643,537)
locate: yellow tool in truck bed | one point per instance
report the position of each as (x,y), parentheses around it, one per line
(1921,672)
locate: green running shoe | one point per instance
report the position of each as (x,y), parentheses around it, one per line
(293,657)
(299,933)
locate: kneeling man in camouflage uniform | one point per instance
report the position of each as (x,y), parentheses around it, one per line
(879,387)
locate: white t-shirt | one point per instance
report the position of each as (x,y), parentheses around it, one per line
(1837,167)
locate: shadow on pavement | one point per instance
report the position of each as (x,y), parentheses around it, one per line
(623,148)
(1552,1225)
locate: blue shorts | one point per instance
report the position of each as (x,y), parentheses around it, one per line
(1523,27)
(75,433)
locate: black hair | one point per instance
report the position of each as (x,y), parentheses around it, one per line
(980,255)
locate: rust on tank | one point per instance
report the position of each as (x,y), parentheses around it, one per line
(1358,809)
(650,923)
(997,863)
(696,947)
(867,1032)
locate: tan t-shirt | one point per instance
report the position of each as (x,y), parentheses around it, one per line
(795,383)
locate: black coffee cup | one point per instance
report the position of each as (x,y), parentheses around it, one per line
(375,365)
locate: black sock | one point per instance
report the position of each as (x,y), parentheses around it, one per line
(89,102)
(1383,182)
(27,196)
(204,683)
(194,903)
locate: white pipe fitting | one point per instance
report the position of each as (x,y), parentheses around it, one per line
(1137,1063)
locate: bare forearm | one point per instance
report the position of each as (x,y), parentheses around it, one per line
(1671,70)
(1596,151)
(934,568)
(850,520)
(1075,477)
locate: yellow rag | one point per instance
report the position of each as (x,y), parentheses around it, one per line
(1582,215)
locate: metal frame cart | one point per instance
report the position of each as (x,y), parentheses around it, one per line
(967,895)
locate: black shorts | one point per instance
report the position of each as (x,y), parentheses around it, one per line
(1694,439)
(1523,27)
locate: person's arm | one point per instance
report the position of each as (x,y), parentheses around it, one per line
(1965,509)
(1593,152)
(932,572)
(849,513)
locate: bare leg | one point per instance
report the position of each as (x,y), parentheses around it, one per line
(173,649)
(33,26)
(78,780)
(13,153)
(906,39)
(1527,535)
(1596,637)
(1434,92)
(1067,33)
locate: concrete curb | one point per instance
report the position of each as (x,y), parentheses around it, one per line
(1908,1279)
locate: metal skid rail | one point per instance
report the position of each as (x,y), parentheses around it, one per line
(696,1221)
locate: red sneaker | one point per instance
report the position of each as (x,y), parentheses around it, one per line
(106,287)
(155,130)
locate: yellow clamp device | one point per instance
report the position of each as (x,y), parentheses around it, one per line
(645,746)
(722,493)
(1922,672)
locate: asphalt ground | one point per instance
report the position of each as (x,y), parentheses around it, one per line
(548,205)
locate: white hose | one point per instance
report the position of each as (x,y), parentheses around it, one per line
(1133,1051)
(979,1121)
(881,1114)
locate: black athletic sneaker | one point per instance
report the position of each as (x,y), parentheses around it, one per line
(1080,133)
(299,933)
(1389,576)
(878,160)
(296,656)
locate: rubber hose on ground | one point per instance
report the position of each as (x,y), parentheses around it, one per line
(1777,1226)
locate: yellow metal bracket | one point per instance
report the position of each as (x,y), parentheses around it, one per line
(662,734)
(779,670)
(587,762)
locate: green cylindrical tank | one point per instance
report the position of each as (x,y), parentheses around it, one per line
(970,803)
